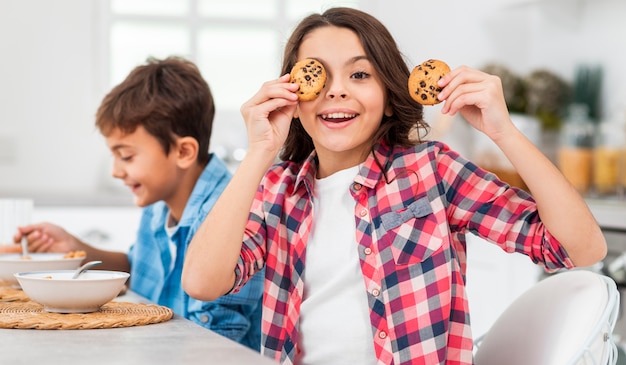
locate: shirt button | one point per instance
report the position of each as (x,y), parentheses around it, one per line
(382,334)
(204,319)
(357,186)
(375,292)
(368,251)
(363,212)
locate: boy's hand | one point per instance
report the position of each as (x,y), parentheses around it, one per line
(47,237)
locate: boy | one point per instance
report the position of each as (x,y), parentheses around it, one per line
(157,123)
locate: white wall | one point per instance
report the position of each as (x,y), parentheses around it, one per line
(48,97)
(525,35)
(51,78)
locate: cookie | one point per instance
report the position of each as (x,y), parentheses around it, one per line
(423,81)
(311,76)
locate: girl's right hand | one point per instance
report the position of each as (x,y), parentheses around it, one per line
(479,98)
(268,115)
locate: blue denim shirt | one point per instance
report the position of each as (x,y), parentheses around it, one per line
(154,276)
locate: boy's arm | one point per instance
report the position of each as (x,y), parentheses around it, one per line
(47,237)
(111,260)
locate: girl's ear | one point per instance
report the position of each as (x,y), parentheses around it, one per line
(186,151)
(388,111)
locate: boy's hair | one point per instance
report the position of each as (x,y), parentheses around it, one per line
(168,97)
(381,49)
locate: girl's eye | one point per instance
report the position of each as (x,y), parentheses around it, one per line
(126,158)
(360,75)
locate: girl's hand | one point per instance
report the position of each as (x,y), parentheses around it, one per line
(268,114)
(479,98)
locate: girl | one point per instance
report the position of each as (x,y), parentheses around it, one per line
(361,226)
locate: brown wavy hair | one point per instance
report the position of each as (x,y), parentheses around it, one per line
(168,98)
(403,127)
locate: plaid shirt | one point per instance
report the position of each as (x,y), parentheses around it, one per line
(410,228)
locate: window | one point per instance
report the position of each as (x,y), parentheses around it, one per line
(220,36)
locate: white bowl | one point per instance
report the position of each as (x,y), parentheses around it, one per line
(58,292)
(14,263)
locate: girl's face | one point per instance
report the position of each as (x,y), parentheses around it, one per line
(349,109)
(140,162)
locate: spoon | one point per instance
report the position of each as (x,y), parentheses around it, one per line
(24,243)
(84,268)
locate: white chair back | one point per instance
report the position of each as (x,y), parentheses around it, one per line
(565,319)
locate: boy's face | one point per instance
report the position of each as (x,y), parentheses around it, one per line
(141,163)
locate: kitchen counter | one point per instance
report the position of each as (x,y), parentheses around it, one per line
(177,341)
(610,213)
(98,198)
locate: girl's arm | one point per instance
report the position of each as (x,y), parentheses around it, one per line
(480,99)
(210,261)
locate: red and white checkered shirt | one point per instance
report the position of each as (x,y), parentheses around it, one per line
(410,228)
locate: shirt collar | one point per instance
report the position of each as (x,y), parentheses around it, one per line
(212,175)
(369,173)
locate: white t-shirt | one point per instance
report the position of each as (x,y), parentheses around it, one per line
(334,316)
(171,225)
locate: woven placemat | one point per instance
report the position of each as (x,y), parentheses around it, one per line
(111,315)
(11,294)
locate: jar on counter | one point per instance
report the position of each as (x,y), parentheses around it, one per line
(609,149)
(575,153)
(622,173)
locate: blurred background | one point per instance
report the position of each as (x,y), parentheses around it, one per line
(562,62)
(61,57)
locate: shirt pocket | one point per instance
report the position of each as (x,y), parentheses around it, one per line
(412,233)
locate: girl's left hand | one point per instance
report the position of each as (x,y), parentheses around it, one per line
(479,98)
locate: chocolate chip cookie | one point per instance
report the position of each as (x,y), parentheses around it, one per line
(423,81)
(311,76)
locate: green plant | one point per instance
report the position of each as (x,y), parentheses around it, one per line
(587,85)
(548,96)
(512,86)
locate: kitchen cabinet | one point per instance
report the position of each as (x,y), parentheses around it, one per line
(495,279)
(611,216)
(610,213)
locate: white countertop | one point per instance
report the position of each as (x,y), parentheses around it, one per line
(99,198)
(177,341)
(610,213)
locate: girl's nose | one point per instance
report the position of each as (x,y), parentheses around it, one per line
(335,89)
(341,95)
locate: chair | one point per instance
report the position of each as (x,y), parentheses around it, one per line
(565,319)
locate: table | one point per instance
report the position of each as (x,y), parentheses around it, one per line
(177,341)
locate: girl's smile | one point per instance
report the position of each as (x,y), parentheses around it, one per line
(337,119)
